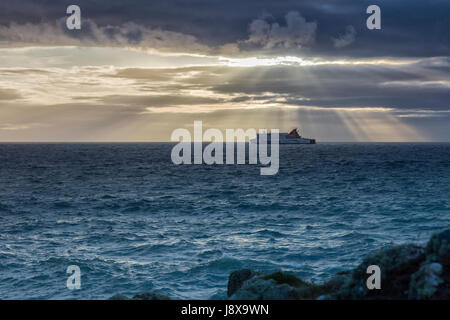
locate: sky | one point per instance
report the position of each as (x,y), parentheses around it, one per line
(137,70)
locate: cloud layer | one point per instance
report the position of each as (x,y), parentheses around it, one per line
(384,100)
(127,35)
(298,27)
(139,69)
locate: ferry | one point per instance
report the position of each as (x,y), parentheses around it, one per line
(293,137)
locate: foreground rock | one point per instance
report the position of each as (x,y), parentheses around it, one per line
(277,286)
(237,279)
(407,272)
(432,280)
(397,265)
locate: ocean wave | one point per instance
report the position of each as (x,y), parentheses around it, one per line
(132,221)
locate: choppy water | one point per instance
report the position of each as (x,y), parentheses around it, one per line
(134,222)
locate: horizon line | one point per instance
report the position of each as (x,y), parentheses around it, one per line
(124,142)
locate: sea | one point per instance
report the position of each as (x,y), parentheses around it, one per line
(134,222)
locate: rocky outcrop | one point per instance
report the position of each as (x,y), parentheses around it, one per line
(277,286)
(432,280)
(119,296)
(407,272)
(426,281)
(438,246)
(237,279)
(397,264)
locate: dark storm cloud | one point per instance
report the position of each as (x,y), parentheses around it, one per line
(409,27)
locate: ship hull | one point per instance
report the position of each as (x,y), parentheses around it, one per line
(285,139)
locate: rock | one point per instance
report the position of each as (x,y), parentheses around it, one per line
(277,286)
(141,296)
(433,279)
(425,282)
(438,246)
(443,290)
(118,296)
(338,281)
(150,296)
(436,268)
(254,289)
(397,265)
(237,279)
(407,272)
(335,284)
